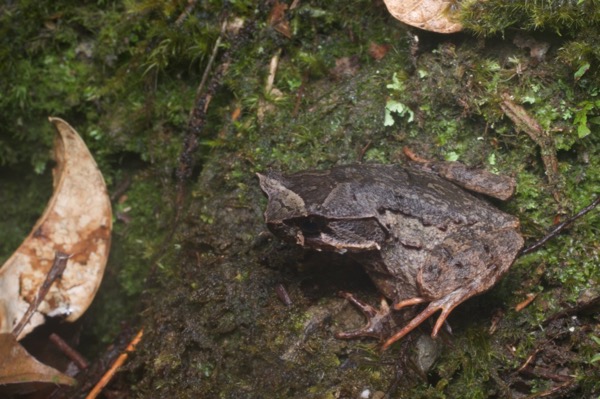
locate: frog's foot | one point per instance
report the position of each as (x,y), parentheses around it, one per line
(445,304)
(379,321)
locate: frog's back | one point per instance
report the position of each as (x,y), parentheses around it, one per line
(367,190)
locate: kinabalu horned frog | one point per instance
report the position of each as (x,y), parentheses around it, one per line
(420,237)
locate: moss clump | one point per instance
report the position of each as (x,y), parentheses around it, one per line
(561,17)
(573,20)
(25,195)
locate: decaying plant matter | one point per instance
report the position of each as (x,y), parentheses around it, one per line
(74,234)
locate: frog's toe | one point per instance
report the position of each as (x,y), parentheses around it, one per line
(445,304)
(379,321)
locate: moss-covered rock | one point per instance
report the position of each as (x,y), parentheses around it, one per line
(126,74)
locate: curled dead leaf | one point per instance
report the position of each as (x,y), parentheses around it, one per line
(18,366)
(432,15)
(77,221)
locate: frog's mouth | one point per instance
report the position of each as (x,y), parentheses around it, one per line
(328,243)
(337,235)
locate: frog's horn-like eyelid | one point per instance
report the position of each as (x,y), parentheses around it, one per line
(268,182)
(262,178)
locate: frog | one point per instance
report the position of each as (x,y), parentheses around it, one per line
(421,230)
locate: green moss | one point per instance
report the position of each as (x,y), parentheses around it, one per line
(24,195)
(575,21)
(561,17)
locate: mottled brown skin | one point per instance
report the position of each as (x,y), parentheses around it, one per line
(420,237)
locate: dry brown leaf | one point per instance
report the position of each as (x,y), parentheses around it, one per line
(277,19)
(543,138)
(77,221)
(18,366)
(378,51)
(433,15)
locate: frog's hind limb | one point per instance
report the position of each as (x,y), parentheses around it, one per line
(445,304)
(465,264)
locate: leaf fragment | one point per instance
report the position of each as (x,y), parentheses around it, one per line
(432,15)
(18,366)
(77,221)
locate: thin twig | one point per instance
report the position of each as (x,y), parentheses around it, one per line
(523,304)
(283,295)
(539,372)
(299,97)
(560,227)
(57,269)
(186,12)
(528,360)
(71,353)
(272,71)
(211,60)
(196,120)
(552,390)
(590,306)
(363,151)
(121,188)
(107,377)
(524,122)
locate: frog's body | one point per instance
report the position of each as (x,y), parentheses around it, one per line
(420,237)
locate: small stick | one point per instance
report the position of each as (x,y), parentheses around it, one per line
(545,374)
(524,122)
(283,295)
(363,151)
(196,120)
(552,390)
(71,353)
(299,96)
(211,60)
(57,269)
(107,377)
(589,306)
(186,12)
(523,304)
(121,189)
(414,157)
(559,228)
(272,71)
(528,361)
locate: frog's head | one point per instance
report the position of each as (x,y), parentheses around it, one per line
(284,205)
(289,217)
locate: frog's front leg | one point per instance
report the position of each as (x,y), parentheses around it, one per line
(379,321)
